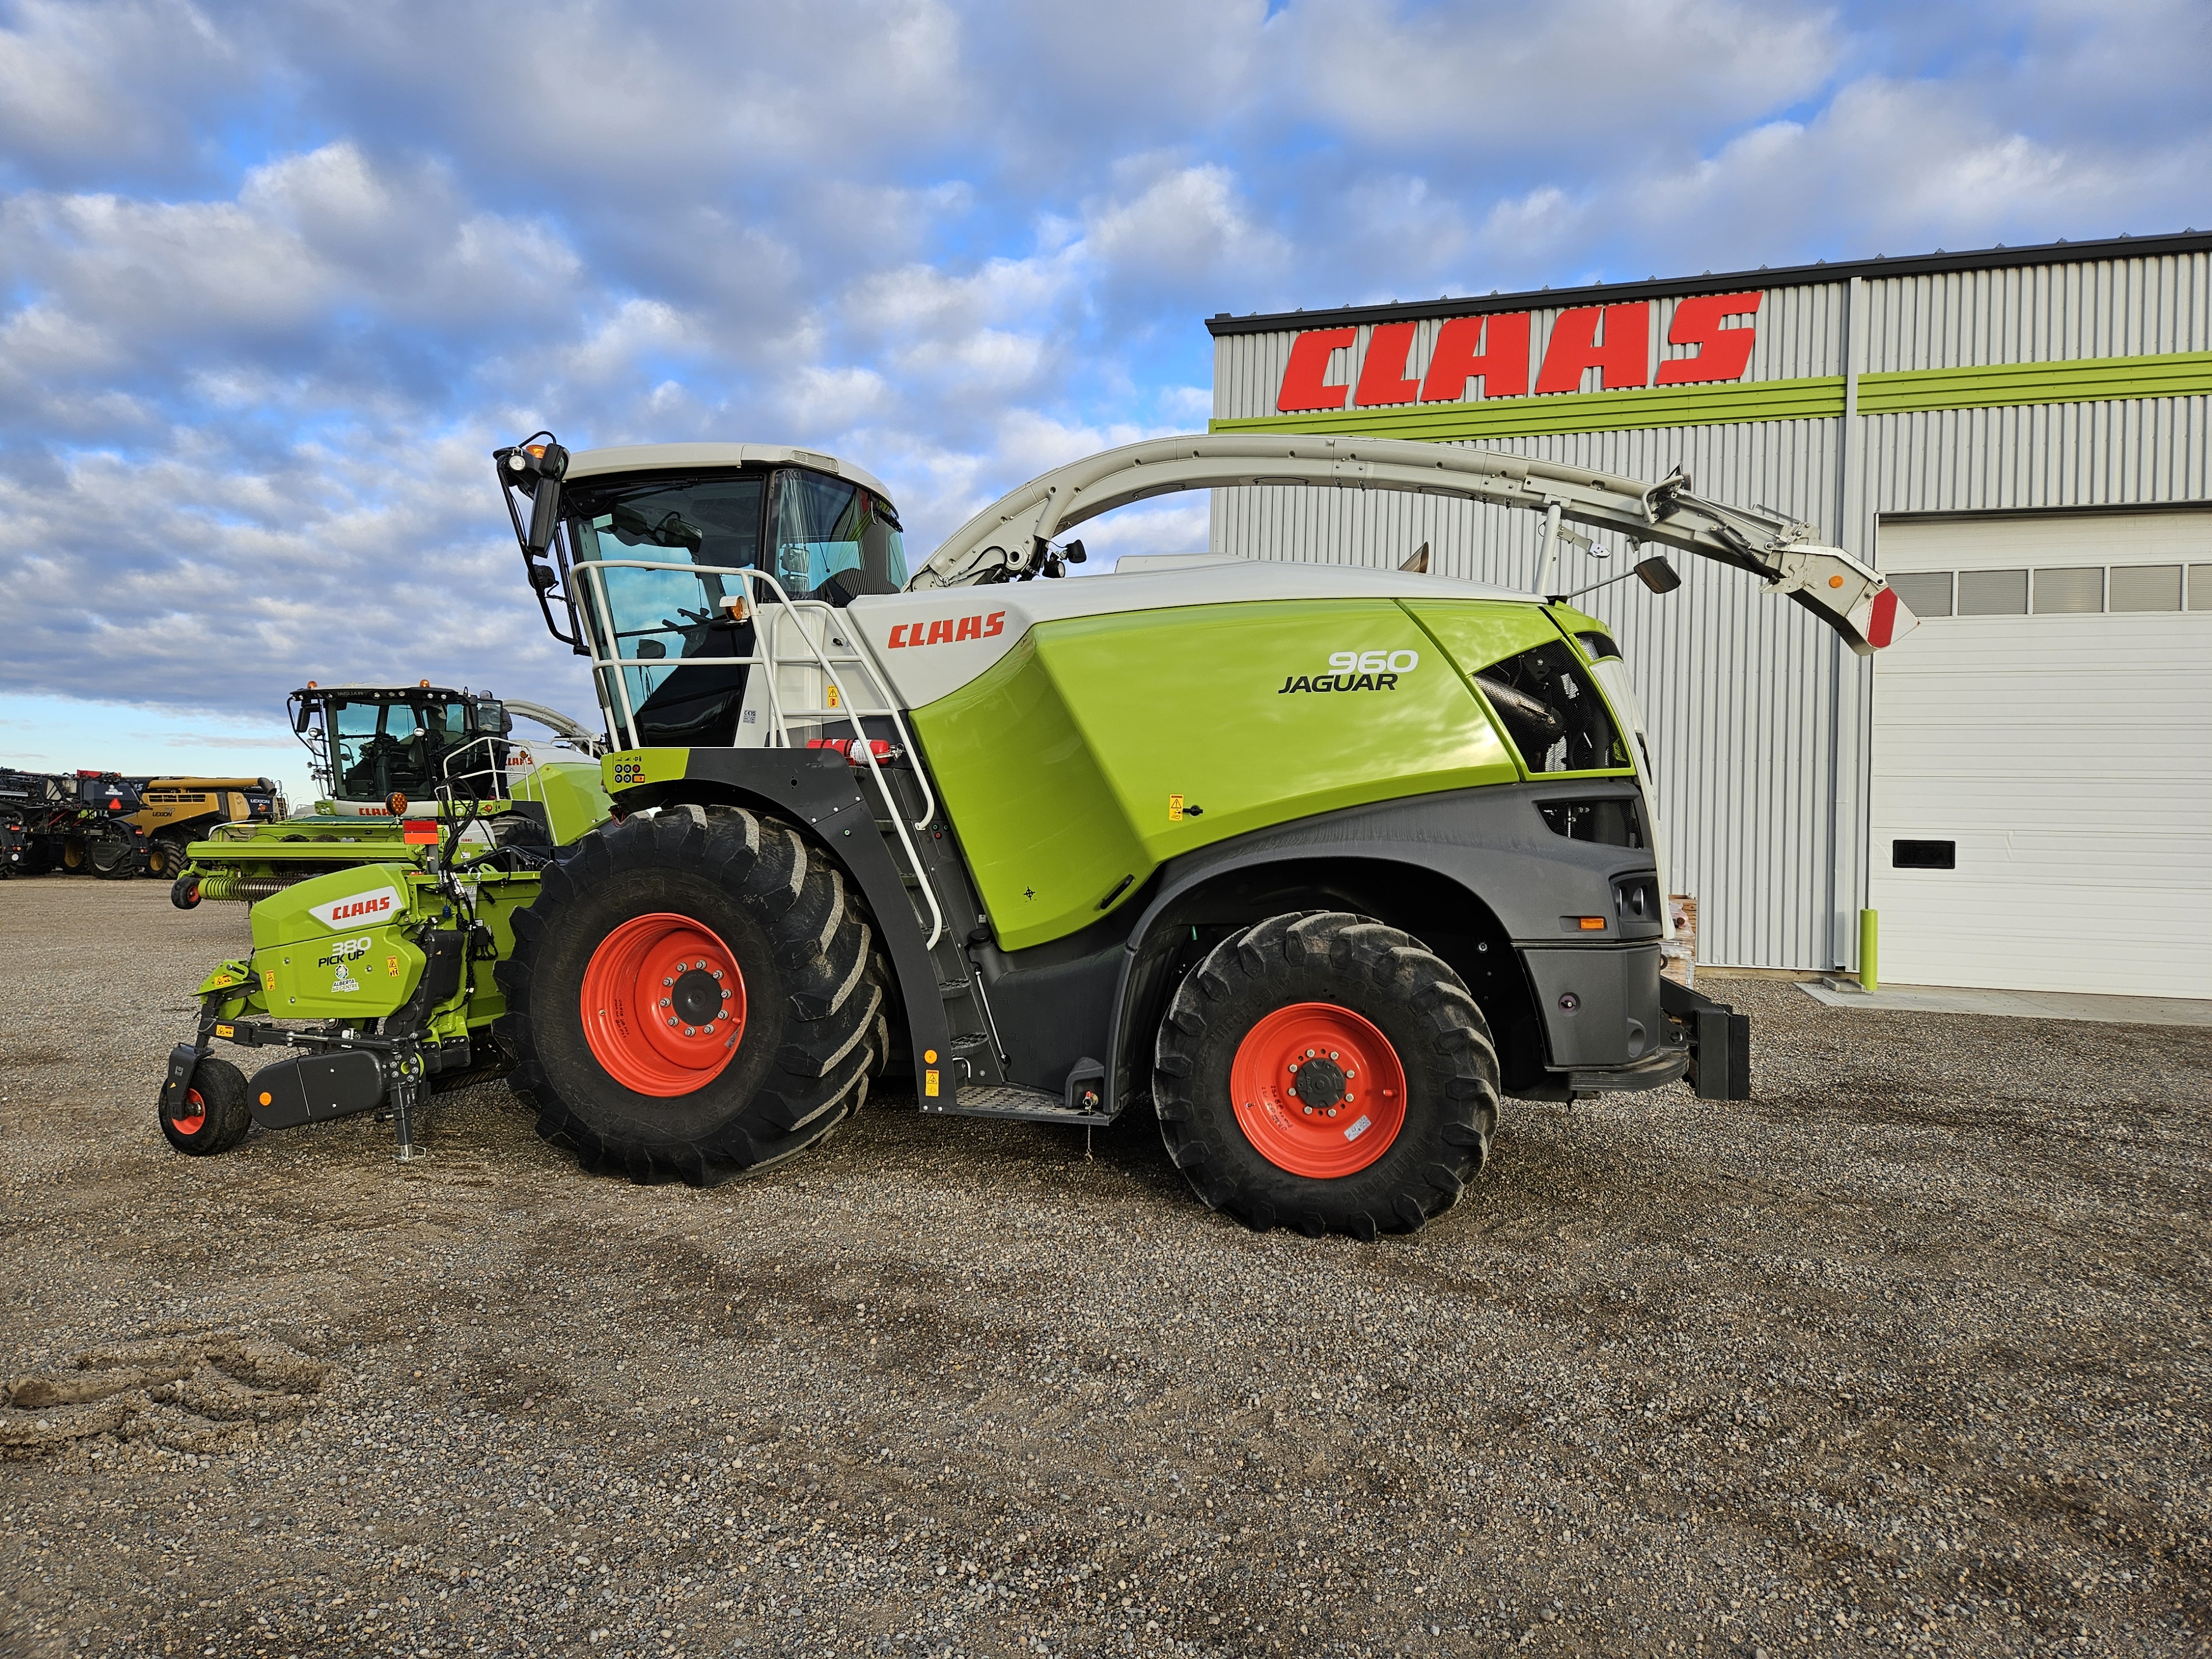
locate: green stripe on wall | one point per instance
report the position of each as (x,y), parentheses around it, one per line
(2087,379)
(2175,374)
(1589,411)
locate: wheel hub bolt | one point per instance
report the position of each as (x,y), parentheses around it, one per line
(1331,1110)
(688,1031)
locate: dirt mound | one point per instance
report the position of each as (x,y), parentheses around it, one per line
(192,1393)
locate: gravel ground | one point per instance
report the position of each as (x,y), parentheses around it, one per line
(1910,1351)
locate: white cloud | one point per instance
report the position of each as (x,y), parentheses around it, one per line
(1185,225)
(248,384)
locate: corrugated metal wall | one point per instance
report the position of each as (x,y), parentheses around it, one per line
(1759,716)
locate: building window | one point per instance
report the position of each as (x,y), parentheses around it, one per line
(2073,592)
(2144,587)
(1925,592)
(2200,588)
(1992,592)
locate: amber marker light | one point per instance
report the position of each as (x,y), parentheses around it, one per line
(1591,924)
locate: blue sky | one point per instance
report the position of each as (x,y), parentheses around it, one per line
(277,279)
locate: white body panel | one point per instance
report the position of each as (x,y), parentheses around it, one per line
(2069,755)
(631,458)
(999,613)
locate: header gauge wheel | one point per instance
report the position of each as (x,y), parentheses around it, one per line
(213,1116)
(1326,1072)
(692,996)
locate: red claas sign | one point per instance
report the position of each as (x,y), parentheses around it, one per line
(1490,356)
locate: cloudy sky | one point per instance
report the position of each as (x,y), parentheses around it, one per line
(277,277)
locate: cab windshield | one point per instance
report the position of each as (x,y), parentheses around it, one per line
(828,539)
(379,747)
(825,527)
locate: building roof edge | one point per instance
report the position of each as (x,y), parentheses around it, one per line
(1731,282)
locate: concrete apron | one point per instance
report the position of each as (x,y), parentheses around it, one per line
(2016,1004)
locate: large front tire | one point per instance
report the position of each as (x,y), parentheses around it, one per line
(690,997)
(1326,1072)
(165,858)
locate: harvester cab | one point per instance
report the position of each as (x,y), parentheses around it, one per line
(367,743)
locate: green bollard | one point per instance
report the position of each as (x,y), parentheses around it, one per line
(1870,930)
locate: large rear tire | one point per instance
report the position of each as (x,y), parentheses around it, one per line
(692,996)
(1326,1072)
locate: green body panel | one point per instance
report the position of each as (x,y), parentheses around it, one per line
(304,967)
(358,966)
(571,792)
(498,899)
(1573,620)
(1476,636)
(1100,747)
(625,768)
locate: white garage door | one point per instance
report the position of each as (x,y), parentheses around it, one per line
(2042,801)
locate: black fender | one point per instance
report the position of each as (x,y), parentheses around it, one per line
(1487,854)
(821,795)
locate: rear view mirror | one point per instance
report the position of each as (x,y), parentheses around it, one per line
(544,514)
(1656,573)
(491,718)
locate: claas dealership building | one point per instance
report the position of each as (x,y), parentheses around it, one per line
(2022,786)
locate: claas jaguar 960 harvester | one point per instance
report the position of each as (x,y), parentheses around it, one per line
(1313,864)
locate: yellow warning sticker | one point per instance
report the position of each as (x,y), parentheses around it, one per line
(225,1030)
(833,697)
(391,966)
(929,1084)
(1175,809)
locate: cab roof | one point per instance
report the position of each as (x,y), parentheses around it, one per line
(693,457)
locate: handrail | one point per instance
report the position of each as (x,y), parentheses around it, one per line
(778,716)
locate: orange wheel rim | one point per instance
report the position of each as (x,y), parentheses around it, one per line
(191,1117)
(663,1005)
(1318,1089)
